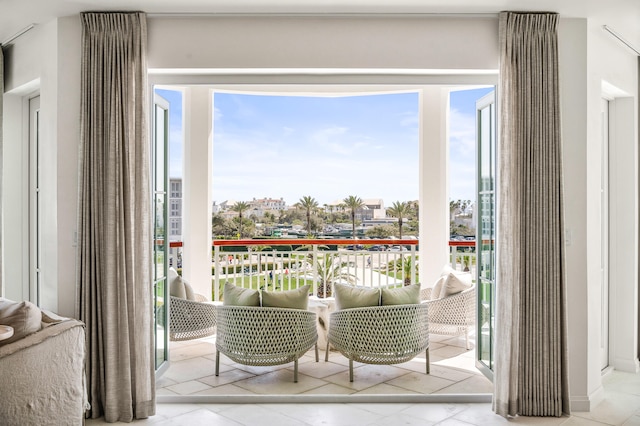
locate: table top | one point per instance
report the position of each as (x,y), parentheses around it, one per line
(5,332)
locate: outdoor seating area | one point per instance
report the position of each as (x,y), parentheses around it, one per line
(388,336)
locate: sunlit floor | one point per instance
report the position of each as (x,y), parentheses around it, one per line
(621,407)
(192,372)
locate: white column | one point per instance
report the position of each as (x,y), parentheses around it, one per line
(197,168)
(434,183)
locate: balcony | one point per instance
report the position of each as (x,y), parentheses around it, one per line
(285,264)
(279,265)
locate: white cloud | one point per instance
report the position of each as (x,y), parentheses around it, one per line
(409,119)
(462,133)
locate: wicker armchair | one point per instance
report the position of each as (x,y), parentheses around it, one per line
(263,336)
(380,334)
(453,315)
(191,319)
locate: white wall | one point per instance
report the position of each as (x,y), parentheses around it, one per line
(45,60)
(589,56)
(615,65)
(323,42)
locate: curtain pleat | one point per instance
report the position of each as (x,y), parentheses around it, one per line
(531,376)
(114,244)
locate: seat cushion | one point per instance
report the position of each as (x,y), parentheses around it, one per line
(24,317)
(294,299)
(348,296)
(406,295)
(238,296)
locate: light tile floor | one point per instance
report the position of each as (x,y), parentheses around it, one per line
(192,373)
(621,406)
(452,371)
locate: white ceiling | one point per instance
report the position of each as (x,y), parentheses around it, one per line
(17,14)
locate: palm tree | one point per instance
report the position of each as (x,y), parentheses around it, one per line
(330,271)
(399,209)
(309,204)
(239,208)
(353,203)
(404,265)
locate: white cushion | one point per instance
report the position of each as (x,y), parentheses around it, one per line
(191,295)
(454,283)
(437,288)
(451,282)
(176,288)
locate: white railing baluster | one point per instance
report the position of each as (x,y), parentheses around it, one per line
(216,280)
(275,268)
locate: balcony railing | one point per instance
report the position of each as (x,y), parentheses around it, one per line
(284,264)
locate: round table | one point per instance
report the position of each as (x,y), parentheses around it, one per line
(5,332)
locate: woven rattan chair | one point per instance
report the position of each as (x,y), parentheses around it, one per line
(262,336)
(380,334)
(191,319)
(453,315)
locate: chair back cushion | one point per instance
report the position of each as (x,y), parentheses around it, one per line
(176,288)
(451,282)
(294,299)
(400,296)
(437,288)
(238,296)
(348,296)
(455,283)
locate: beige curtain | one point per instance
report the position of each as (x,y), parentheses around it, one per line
(531,339)
(114,245)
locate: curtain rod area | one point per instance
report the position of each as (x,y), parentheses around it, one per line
(323,15)
(621,39)
(18,34)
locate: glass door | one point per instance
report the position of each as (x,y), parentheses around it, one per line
(485,238)
(160,237)
(35,234)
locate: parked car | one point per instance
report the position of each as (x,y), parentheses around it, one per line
(397,248)
(376,248)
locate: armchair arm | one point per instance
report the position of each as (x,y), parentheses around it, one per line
(458,309)
(425,293)
(190,319)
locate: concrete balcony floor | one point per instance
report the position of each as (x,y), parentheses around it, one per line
(192,373)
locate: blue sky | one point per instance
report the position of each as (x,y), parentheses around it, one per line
(325,147)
